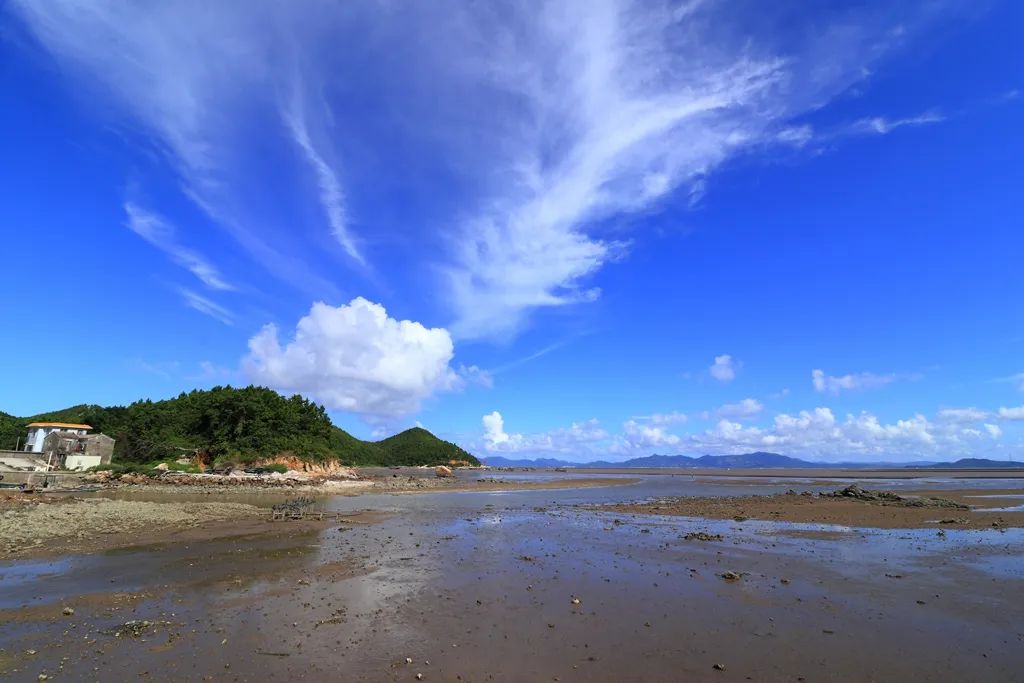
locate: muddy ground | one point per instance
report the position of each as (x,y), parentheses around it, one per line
(528,585)
(47,525)
(937,509)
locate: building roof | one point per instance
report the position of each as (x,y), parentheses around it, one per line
(62,425)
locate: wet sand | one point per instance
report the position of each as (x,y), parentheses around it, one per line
(994,510)
(527,585)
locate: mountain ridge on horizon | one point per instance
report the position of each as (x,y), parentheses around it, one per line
(754,460)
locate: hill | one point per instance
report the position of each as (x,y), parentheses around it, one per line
(238,425)
(977,463)
(417,446)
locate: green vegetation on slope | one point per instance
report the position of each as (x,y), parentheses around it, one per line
(417,446)
(240,425)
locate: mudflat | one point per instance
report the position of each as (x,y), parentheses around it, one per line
(529,585)
(937,509)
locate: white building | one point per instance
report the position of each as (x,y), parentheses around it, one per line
(38,431)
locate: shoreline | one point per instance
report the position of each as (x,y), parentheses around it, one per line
(41,526)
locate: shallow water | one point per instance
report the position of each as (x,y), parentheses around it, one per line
(481,584)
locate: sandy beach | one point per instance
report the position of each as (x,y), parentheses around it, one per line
(542,579)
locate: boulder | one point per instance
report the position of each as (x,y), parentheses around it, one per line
(443,471)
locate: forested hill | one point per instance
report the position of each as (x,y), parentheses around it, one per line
(239,425)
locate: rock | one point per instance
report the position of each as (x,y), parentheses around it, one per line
(68,611)
(730,576)
(718,667)
(702,536)
(163,467)
(575,601)
(408,660)
(419,677)
(443,471)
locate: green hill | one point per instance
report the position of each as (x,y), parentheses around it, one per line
(417,446)
(239,425)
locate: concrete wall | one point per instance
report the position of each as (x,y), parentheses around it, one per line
(15,460)
(81,462)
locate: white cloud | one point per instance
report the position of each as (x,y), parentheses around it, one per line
(1016,413)
(962,415)
(835,385)
(162,235)
(816,434)
(578,439)
(723,369)
(803,135)
(640,435)
(332,197)
(355,358)
(206,306)
(557,121)
(494,430)
(618,105)
(663,419)
(193,77)
(471,374)
(882,125)
(746,409)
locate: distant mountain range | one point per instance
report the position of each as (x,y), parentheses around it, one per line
(758,460)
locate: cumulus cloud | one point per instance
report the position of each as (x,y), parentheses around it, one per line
(639,435)
(161,234)
(816,434)
(578,439)
(663,419)
(835,385)
(1016,413)
(723,369)
(355,358)
(746,409)
(962,415)
(494,430)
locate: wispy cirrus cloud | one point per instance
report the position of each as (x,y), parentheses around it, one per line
(803,135)
(556,122)
(625,104)
(191,76)
(161,234)
(206,306)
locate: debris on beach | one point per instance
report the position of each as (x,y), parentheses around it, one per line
(702,536)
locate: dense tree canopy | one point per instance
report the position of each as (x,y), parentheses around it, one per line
(240,425)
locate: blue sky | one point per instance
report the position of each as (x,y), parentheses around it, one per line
(602,229)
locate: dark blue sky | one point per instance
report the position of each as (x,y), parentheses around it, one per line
(591,229)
